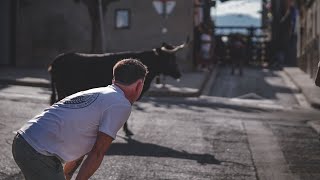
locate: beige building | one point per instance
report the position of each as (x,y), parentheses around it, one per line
(308,36)
(39,30)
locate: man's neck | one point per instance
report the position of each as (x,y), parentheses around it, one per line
(126,92)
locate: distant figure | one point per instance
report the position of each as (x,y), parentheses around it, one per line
(206,48)
(286,39)
(250,45)
(197,45)
(205,45)
(220,50)
(237,54)
(317,80)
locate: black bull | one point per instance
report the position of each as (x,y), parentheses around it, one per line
(74,72)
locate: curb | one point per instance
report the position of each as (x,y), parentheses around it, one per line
(209,79)
(208,84)
(34,82)
(163,93)
(315,125)
(25,83)
(170,94)
(307,90)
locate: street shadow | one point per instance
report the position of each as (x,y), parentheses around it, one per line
(254,80)
(195,104)
(257,83)
(3,86)
(16,76)
(17,73)
(137,148)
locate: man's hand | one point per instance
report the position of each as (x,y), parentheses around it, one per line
(95,156)
(71,167)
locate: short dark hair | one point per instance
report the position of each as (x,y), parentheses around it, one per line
(128,71)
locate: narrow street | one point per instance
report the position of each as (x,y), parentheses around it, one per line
(250,127)
(196,119)
(256,83)
(282,147)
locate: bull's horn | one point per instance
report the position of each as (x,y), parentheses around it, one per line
(168,50)
(183,45)
(175,49)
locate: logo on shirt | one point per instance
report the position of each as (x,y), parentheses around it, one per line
(77,102)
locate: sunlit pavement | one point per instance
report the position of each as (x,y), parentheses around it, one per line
(250,127)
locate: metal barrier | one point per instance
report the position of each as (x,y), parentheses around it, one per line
(257,52)
(256,46)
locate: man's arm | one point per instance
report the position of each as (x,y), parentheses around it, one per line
(71,167)
(95,156)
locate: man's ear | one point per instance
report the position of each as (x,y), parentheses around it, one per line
(139,84)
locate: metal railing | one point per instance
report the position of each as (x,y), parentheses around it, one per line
(257,51)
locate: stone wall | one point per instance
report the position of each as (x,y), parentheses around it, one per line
(308,40)
(47,28)
(146,27)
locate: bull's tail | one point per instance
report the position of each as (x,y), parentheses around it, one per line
(53,87)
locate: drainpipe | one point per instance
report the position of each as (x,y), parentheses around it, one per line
(101,26)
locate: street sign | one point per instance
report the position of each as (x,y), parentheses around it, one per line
(170,5)
(164,7)
(158,6)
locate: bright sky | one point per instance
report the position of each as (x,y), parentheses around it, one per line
(249,7)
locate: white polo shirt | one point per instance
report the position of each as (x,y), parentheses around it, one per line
(68,129)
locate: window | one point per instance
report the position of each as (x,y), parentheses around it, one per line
(122,19)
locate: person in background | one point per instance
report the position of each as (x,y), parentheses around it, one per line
(237,53)
(206,49)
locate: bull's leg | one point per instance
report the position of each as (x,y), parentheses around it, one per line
(126,129)
(52,99)
(53,93)
(241,67)
(232,67)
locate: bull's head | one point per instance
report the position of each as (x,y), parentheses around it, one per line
(168,64)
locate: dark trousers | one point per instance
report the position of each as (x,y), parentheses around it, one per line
(34,165)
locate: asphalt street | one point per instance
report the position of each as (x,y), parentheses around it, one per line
(249,127)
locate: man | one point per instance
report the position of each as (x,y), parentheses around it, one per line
(82,124)
(237,53)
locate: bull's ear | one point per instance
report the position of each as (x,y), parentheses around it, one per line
(187,40)
(156,51)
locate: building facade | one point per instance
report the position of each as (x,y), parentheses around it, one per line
(47,28)
(42,29)
(308,36)
(148,27)
(6,34)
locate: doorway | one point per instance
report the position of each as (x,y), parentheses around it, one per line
(6,32)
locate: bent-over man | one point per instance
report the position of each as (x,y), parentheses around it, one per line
(82,124)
